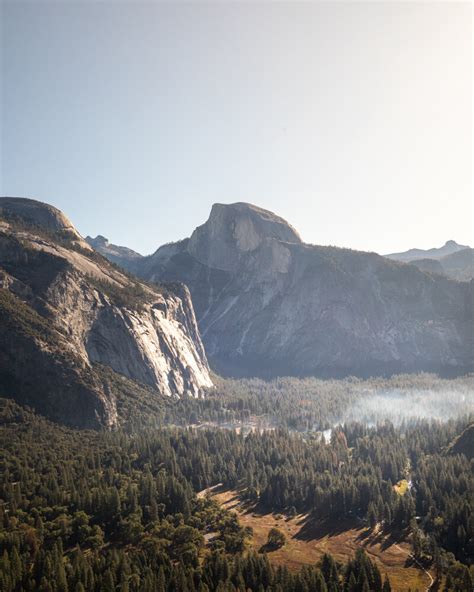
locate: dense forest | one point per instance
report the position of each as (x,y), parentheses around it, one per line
(85,510)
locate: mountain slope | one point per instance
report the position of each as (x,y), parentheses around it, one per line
(66,308)
(268,304)
(459,265)
(464,443)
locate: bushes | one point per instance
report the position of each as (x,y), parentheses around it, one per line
(276,539)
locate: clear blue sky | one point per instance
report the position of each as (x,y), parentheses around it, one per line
(351,120)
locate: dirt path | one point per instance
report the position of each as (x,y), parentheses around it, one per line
(420,566)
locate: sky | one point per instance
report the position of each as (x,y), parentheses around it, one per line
(353,121)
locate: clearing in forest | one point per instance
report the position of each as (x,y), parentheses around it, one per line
(307,541)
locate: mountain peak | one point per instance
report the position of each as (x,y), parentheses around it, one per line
(235,229)
(98,241)
(38,214)
(449,247)
(271,224)
(115,253)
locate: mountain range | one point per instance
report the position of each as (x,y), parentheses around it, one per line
(88,326)
(268,304)
(452,260)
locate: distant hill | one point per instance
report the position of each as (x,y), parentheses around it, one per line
(270,305)
(69,319)
(436,253)
(453,260)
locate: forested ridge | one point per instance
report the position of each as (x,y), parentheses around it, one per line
(93,511)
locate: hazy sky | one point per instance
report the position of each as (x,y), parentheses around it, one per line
(351,120)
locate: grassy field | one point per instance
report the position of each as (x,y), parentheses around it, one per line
(307,542)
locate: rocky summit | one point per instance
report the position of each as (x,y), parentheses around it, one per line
(120,255)
(270,305)
(66,313)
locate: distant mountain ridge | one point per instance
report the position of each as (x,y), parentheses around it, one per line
(66,312)
(448,248)
(453,260)
(268,304)
(114,253)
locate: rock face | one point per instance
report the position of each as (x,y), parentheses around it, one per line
(452,260)
(268,304)
(65,309)
(233,231)
(120,255)
(39,216)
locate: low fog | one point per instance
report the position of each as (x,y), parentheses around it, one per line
(399,405)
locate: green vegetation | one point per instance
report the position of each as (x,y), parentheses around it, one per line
(131,295)
(138,405)
(21,224)
(101,508)
(34,268)
(105,511)
(464,443)
(308,404)
(276,539)
(18,316)
(38,269)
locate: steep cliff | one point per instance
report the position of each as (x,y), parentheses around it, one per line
(64,309)
(268,304)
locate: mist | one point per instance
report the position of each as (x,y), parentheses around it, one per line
(398,405)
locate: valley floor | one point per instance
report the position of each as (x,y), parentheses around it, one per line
(307,542)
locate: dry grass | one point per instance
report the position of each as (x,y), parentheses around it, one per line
(308,541)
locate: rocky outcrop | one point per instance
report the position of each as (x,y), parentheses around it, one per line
(38,215)
(121,255)
(233,231)
(268,304)
(66,308)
